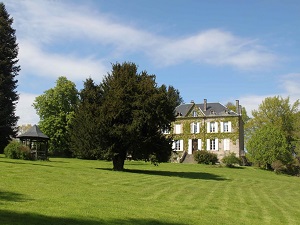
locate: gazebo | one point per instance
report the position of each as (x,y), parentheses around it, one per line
(36,141)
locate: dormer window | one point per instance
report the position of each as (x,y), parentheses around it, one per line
(195,114)
(212,112)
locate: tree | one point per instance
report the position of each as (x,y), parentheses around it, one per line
(267,145)
(23,128)
(56,109)
(281,119)
(8,83)
(134,112)
(84,127)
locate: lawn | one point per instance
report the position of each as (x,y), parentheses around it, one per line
(72,191)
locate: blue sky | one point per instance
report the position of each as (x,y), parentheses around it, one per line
(218,50)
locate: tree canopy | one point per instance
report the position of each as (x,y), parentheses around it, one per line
(84,127)
(273,132)
(56,108)
(134,112)
(8,83)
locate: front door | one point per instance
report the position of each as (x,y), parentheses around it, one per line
(194,145)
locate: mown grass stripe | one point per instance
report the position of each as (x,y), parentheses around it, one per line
(72,191)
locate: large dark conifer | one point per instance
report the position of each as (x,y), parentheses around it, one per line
(134,112)
(84,127)
(8,83)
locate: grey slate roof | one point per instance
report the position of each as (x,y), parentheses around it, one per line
(33,132)
(212,109)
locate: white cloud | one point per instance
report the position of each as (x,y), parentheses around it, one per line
(25,110)
(55,65)
(290,84)
(48,22)
(216,47)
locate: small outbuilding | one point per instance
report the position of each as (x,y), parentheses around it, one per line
(36,141)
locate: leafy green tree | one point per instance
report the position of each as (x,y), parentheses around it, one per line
(267,145)
(85,126)
(56,109)
(134,112)
(281,119)
(8,83)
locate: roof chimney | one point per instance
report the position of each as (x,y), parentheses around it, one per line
(205,105)
(237,103)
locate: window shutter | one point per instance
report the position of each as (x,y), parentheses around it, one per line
(229,126)
(177,128)
(192,128)
(217,143)
(190,149)
(216,127)
(173,145)
(226,144)
(208,127)
(199,144)
(222,127)
(198,128)
(181,145)
(207,144)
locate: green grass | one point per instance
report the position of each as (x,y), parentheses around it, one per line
(72,191)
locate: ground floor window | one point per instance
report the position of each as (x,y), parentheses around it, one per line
(178,145)
(212,144)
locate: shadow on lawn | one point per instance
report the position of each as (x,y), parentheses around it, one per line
(16,218)
(189,175)
(6,196)
(34,164)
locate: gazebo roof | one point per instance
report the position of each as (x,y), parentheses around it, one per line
(33,133)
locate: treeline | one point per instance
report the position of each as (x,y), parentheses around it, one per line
(122,116)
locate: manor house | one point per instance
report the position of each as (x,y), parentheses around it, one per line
(207,126)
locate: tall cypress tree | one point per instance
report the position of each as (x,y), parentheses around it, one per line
(8,83)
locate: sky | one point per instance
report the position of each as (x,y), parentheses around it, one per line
(221,51)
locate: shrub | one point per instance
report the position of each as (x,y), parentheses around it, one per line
(12,150)
(25,153)
(205,157)
(278,167)
(15,150)
(230,160)
(292,168)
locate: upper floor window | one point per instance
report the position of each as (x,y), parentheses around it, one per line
(195,128)
(212,127)
(177,129)
(226,126)
(166,131)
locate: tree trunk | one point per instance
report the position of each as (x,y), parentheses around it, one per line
(118,162)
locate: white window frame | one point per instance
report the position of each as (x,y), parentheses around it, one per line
(212,144)
(195,128)
(226,127)
(195,114)
(213,127)
(177,145)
